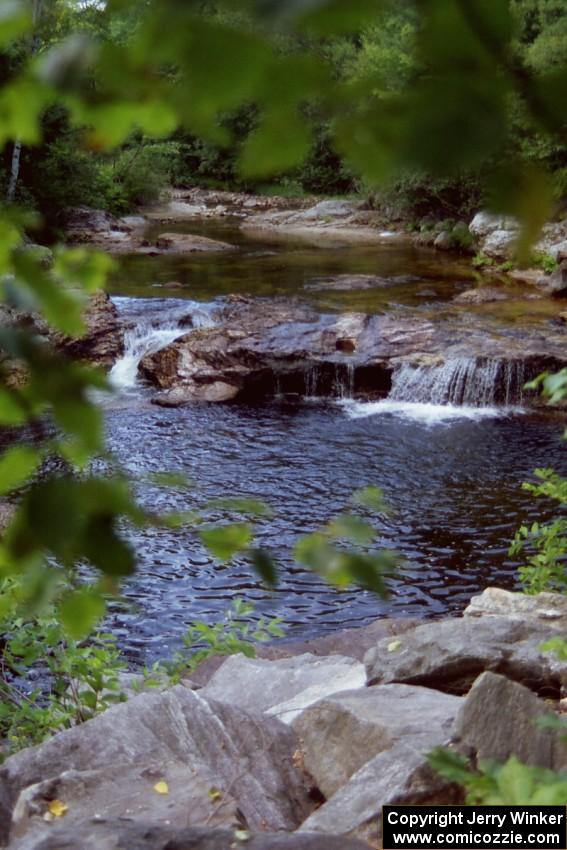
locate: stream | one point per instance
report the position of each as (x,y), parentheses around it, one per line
(452,474)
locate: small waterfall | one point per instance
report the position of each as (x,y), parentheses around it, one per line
(151,330)
(463,381)
(311,381)
(344,380)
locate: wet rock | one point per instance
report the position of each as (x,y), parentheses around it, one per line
(400,776)
(341,733)
(175,736)
(332,209)
(548,609)
(482,295)
(355,282)
(500,718)
(123,834)
(449,655)
(555,283)
(103,340)
(214,392)
(285,687)
(84,220)
(188,243)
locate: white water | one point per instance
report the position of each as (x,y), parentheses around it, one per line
(427,413)
(466,382)
(150,332)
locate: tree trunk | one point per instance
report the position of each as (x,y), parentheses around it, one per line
(14,171)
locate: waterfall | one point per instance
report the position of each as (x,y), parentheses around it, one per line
(344,380)
(463,381)
(311,381)
(154,323)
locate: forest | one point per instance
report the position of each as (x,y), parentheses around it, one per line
(283,381)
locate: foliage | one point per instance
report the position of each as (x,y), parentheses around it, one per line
(78,680)
(481,261)
(509,784)
(544,543)
(237,633)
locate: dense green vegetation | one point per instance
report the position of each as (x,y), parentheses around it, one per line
(389,56)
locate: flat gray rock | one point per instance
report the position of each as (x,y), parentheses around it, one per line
(285,687)
(124,835)
(449,655)
(341,733)
(111,765)
(400,776)
(499,719)
(548,609)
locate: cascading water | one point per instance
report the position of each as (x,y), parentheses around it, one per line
(154,323)
(469,382)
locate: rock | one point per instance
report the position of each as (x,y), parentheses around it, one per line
(188,243)
(123,834)
(485,223)
(132,222)
(324,209)
(354,282)
(558,251)
(215,392)
(342,732)
(82,220)
(482,295)
(555,283)
(260,347)
(500,243)
(172,284)
(41,253)
(549,609)
(400,776)
(449,655)
(103,340)
(499,719)
(285,687)
(444,241)
(175,736)
(7,511)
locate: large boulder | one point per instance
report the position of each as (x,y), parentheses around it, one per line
(549,609)
(213,758)
(342,732)
(103,340)
(187,243)
(124,834)
(282,688)
(449,655)
(500,718)
(400,776)
(556,282)
(485,223)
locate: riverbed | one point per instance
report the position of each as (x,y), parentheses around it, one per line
(452,475)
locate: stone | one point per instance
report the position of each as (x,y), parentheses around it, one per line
(449,655)
(482,295)
(103,340)
(188,243)
(558,251)
(285,687)
(500,243)
(485,223)
(355,282)
(123,834)
(400,776)
(176,736)
(549,609)
(215,392)
(340,733)
(499,719)
(333,209)
(444,241)
(555,283)
(41,253)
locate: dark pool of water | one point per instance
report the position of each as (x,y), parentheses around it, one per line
(455,487)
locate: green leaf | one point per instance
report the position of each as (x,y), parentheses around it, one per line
(280,143)
(352,528)
(265,566)
(248,507)
(225,541)
(16,466)
(371,497)
(80,611)
(12,411)
(15,20)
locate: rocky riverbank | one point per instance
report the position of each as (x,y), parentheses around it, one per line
(303,750)
(263,347)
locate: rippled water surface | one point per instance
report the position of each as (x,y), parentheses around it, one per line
(452,475)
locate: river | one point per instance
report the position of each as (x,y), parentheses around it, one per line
(452,475)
